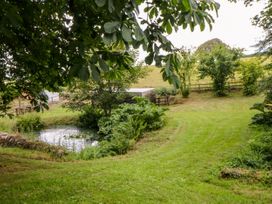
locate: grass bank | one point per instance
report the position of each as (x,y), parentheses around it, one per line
(56,115)
(178,164)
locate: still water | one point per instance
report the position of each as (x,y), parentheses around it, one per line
(66,136)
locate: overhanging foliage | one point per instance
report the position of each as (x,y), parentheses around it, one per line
(44,44)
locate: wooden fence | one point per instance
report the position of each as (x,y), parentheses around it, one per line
(233,85)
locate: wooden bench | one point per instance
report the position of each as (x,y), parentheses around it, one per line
(162,100)
(23,110)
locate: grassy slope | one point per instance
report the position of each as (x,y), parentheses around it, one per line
(178,164)
(154,79)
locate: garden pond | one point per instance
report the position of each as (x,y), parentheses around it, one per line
(71,137)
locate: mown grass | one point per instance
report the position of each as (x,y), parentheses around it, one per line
(178,164)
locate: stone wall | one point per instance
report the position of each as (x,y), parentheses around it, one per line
(8,140)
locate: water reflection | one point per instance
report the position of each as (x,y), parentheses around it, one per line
(61,135)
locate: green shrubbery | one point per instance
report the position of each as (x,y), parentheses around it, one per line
(263,118)
(28,123)
(219,64)
(265,108)
(258,154)
(89,117)
(163,91)
(187,61)
(185,92)
(251,71)
(119,131)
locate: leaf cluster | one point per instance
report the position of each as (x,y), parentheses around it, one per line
(45,44)
(219,64)
(126,125)
(257,154)
(106,93)
(250,71)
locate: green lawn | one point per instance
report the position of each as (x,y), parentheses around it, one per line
(178,164)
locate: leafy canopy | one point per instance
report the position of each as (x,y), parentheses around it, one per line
(44,44)
(251,71)
(218,64)
(187,61)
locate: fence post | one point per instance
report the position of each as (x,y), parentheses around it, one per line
(229,86)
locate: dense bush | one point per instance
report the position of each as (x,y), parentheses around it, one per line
(185,93)
(89,117)
(258,154)
(108,92)
(219,64)
(263,118)
(28,123)
(251,71)
(124,127)
(163,91)
(187,61)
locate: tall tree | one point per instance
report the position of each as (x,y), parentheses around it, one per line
(45,43)
(251,70)
(187,62)
(264,21)
(218,64)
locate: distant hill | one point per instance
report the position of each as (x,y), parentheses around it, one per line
(209,45)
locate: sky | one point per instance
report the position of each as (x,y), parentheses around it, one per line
(233,26)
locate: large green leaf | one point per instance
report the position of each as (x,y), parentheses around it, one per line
(103,65)
(109,38)
(111,27)
(149,58)
(83,73)
(168,28)
(100,3)
(186,4)
(138,33)
(111,7)
(95,73)
(126,33)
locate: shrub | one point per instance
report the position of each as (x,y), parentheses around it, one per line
(186,64)
(263,118)
(251,71)
(219,64)
(28,123)
(258,154)
(124,127)
(185,93)
(90,117)
(163,91)
(143,110)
